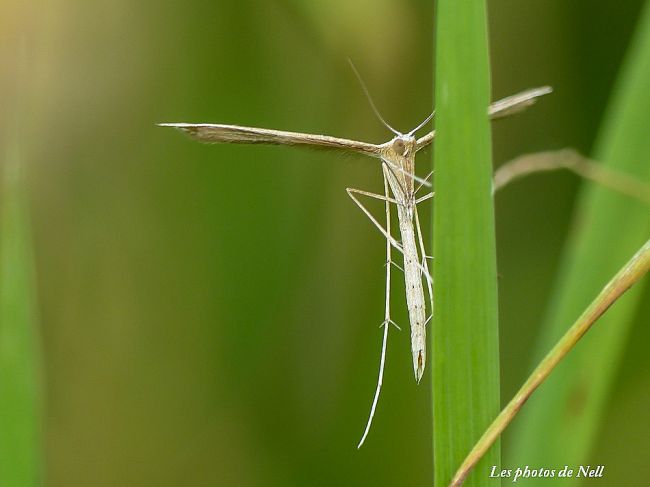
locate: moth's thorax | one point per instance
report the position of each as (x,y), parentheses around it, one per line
(399,155)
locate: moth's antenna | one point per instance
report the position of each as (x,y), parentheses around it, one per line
(372,103)
(426,121)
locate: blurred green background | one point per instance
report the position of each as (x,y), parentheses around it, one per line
(209,315)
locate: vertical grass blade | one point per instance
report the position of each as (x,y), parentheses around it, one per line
(465,334)
(559,424)
(20,445)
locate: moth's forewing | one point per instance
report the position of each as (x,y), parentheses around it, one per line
(236,134)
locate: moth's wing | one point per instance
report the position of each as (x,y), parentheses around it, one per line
(236,134)
(425,140)
(502,108)
(517,103)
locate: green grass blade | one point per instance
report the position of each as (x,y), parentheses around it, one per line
(20,445)
(559,424)
(465,334)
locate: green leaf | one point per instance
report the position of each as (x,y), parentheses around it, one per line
(20,441)
(465,326)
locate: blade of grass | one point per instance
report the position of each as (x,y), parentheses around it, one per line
(19,386)
(561,421)
(630,274)
(465,334)
(20,432)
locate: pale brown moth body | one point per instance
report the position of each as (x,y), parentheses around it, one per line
(401,152)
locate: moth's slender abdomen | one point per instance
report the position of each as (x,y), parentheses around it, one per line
(420,368)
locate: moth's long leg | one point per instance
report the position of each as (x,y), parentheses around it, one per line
(387,319)
(427,180)
(395,167)
(424,198)
(389,254)
(393,242)
(424,257)
(374,195)
(351,193)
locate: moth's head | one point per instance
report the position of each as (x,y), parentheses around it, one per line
(402,145)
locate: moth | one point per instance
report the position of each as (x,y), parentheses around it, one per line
(401,185)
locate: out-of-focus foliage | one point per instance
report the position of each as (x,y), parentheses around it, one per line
(209,315)
(21,444)
(20,406)
(562,420)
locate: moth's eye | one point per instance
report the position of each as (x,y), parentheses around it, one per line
(399,147)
